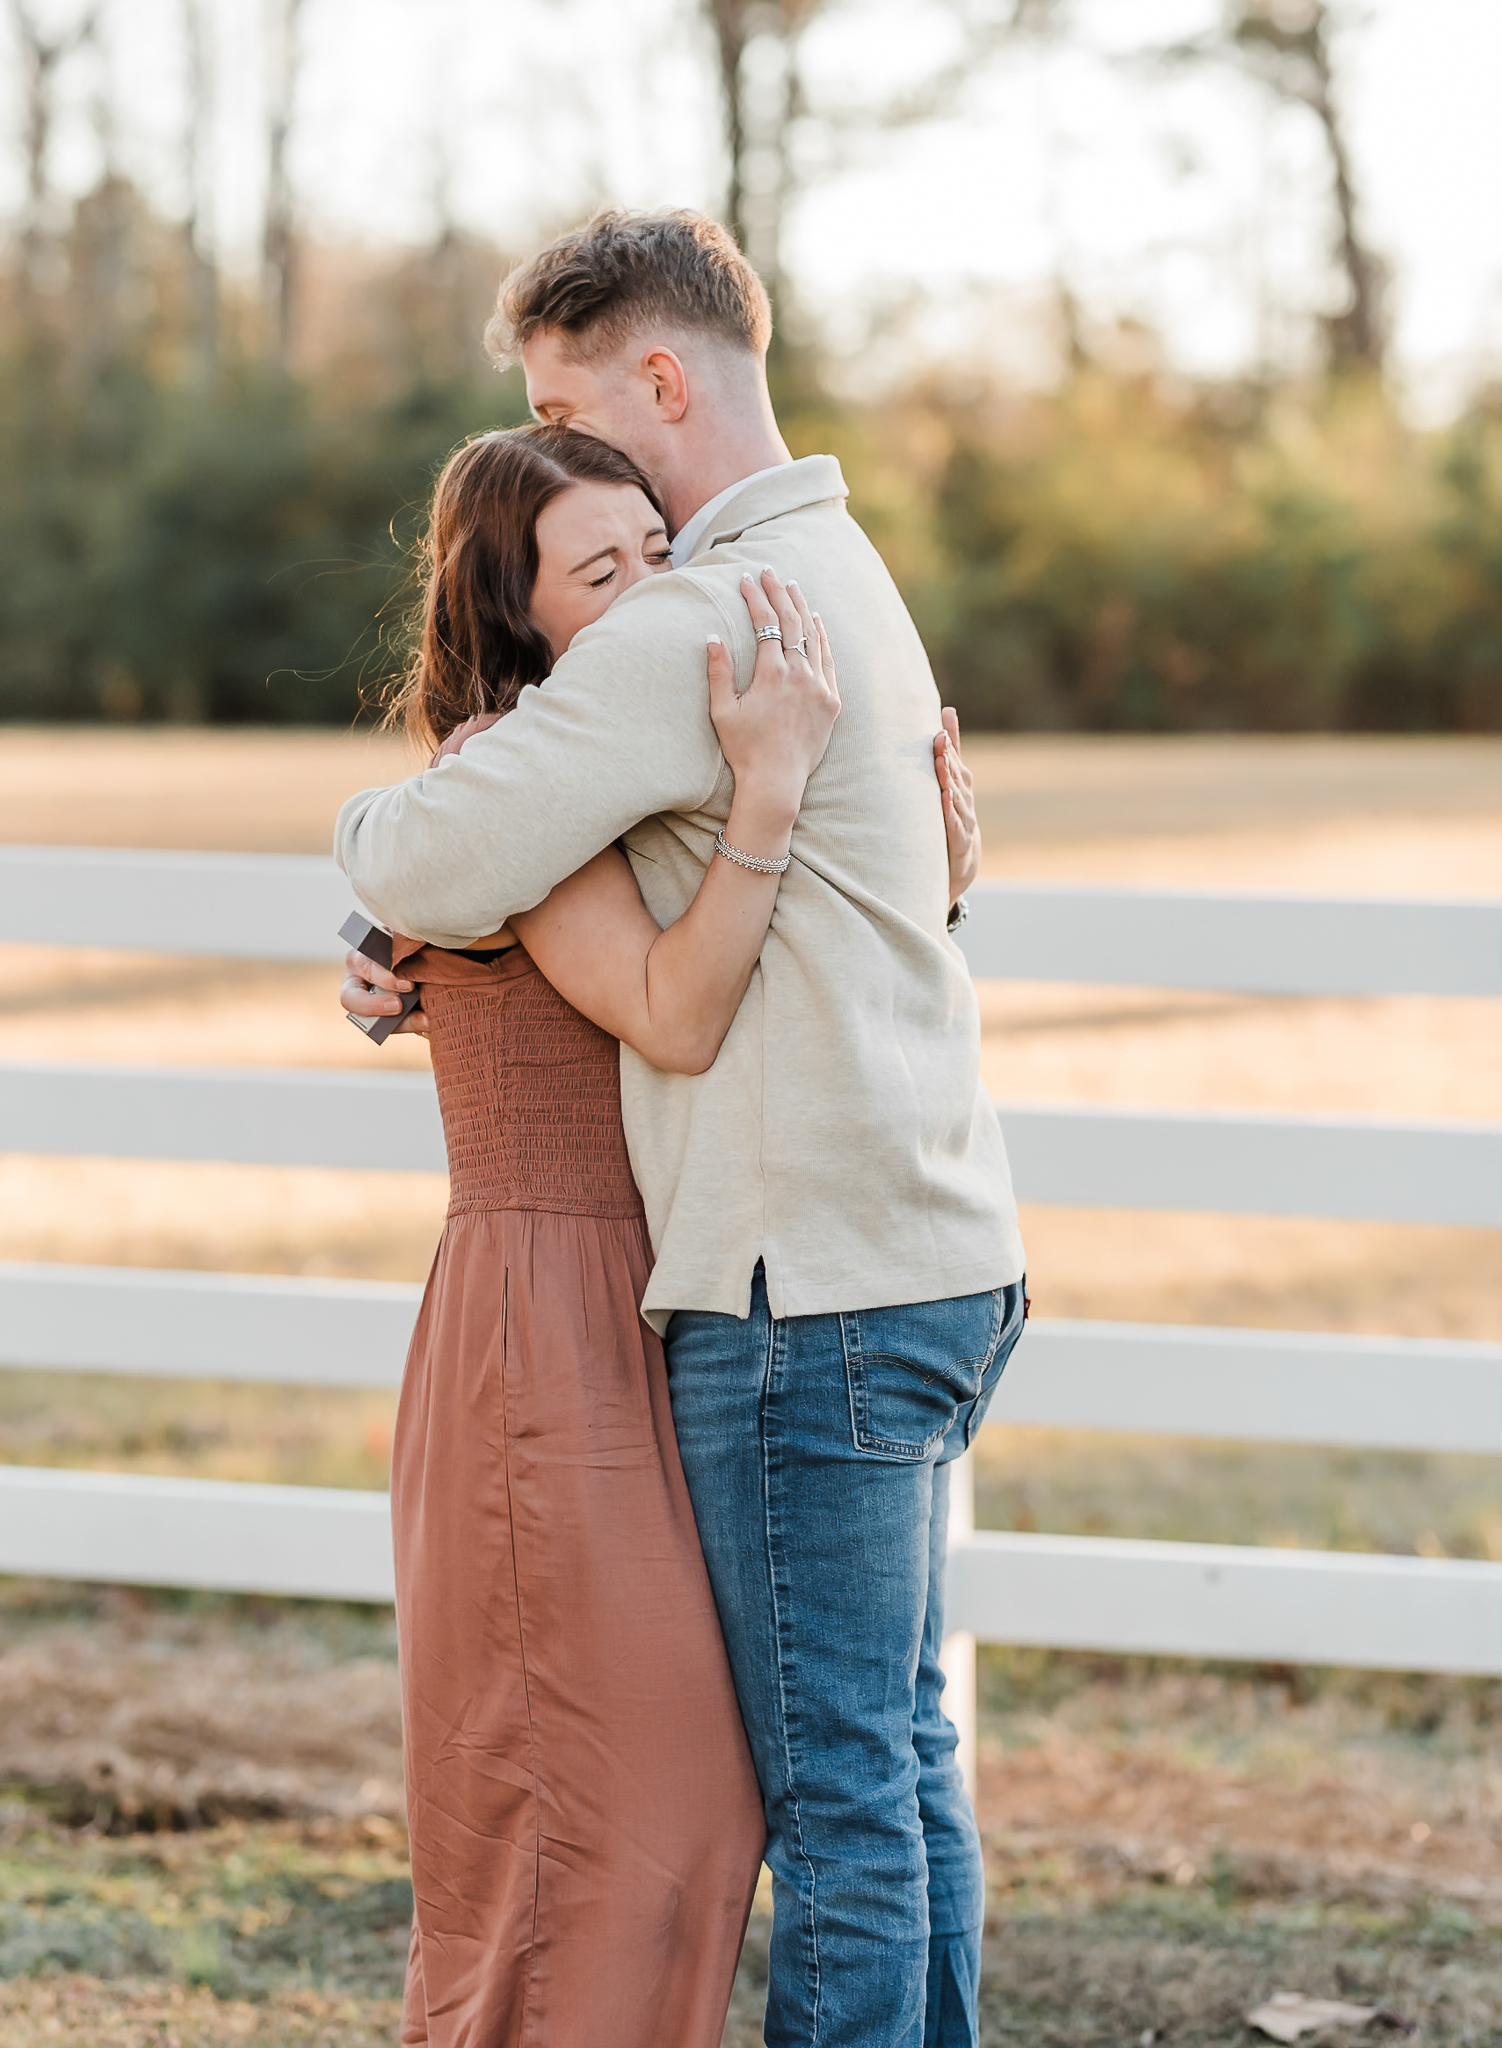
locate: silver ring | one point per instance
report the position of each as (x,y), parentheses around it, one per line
(801,647)
(769,632)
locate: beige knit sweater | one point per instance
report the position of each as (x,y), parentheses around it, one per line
(842,1135)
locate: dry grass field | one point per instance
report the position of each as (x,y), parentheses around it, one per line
(202,1837)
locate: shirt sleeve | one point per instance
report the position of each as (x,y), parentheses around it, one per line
(619,732)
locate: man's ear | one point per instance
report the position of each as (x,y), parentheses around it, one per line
(669,382)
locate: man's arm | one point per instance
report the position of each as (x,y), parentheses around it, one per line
(619,732)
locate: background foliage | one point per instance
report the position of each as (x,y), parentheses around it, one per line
(230,540)
(1125,554)
(228,548)
(213,461)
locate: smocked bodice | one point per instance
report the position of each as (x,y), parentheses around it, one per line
(529,1090)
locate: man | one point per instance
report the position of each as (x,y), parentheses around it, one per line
(838,1268)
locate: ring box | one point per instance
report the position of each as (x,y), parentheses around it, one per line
(374,942)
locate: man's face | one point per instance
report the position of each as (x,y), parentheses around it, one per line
(609,397)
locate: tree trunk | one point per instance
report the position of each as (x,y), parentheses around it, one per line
(202,275)
(760,120)
(41,57)
(759,124)
(1357,335)
(278,242)
(728,20)
(1290,53)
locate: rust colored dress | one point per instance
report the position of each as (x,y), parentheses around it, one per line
(585,1823)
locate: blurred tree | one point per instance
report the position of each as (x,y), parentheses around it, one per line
(1286,43)
(197,156)
(1463,618)
(107,269)
(42,57)
(764,96)
(1286,46)
(278,245)
(1113,557)
(761,96)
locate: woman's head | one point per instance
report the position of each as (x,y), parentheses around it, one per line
(533,534)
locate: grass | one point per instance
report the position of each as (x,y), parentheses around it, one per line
(1177,1489)
(1154,1968)
(266,1934)
(206,1429)
(244,1913)
(1167,1843)
(1160,1969)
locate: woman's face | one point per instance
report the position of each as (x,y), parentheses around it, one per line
(593,542)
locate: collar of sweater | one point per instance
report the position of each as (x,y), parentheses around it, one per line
(769,494)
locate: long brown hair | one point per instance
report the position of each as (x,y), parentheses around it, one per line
(477,647)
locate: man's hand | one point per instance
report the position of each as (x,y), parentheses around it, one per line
(957,793)
(371,991)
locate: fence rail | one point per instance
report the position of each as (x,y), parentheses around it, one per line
(236,906)
(1247,945)
(288,907)
(1397,1172)
(1279,1386)
(1196,1599)
(1225,1600)
(328,1542)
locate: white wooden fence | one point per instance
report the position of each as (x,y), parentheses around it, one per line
(1081,1592)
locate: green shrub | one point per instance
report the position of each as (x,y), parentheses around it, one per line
(232,556)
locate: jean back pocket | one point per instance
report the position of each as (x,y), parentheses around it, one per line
(912,1370)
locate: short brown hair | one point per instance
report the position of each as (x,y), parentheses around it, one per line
(476,646)
(624,271)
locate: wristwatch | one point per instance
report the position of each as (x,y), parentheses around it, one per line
(959,910)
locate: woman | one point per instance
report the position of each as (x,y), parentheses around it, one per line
(586,1829)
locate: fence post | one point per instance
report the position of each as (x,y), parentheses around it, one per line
(957,1657)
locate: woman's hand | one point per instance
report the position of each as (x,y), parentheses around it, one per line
(481,722)
(672,995)
(371,991)
(957,794)
(775,733)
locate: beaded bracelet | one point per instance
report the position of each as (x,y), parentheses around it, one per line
(753,861)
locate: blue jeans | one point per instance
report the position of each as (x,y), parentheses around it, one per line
(816,1452)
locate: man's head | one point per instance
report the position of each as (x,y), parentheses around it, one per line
(649,331)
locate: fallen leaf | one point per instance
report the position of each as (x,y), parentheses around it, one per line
(1287,2014)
